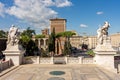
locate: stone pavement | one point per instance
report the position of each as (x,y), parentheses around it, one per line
(72,72)
(7,70)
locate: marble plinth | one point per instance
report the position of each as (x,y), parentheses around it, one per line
(15,54)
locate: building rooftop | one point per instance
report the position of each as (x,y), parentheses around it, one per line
(58,19)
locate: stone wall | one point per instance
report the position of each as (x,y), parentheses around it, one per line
(72,60)
(87,61)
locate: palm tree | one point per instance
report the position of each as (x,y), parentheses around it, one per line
(67,35)
(57,37)
(26,40)
(26,36)
(29,32)
(58,40)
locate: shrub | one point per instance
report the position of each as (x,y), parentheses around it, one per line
(91,53)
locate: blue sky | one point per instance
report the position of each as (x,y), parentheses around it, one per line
(83,16)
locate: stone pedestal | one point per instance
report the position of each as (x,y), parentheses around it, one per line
(105,54)
(15,54)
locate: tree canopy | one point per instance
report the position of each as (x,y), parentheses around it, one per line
(27,42)
(40,36)
(65,34)
(28,32)
(3,34)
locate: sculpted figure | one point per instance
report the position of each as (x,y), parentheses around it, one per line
(100,36)
(13,36)
(105,28)
(102,31)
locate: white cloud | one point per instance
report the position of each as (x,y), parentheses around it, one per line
(83,25)
(1,9)
(99,13)
(36,12)
(62,3)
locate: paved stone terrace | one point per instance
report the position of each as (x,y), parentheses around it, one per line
(72,72)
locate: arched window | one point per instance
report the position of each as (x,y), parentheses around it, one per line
(41,42)
(46,41)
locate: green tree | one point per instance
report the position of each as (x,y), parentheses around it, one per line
(26,36)
(51,42)
(40,36)
(91,53)
(67,48)
(3,34)
(67,45)
(68,34)
(56,37)
(24,40)
(30,48)
(65,34)
(28,32)
(27,42)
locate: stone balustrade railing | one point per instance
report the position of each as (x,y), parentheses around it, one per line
(66,60)
(5,64)
(88,61)
(46,60)
(72,60)
(54,60)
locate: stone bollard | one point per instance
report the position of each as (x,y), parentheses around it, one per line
(119,68)
(66,59)
(51,60)
(80,59)
(38,60)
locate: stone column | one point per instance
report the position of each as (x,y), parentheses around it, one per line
(44,41)
(39,43)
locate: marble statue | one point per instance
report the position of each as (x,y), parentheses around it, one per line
(102,32)
(105,28)
(104,51)
(13,36)
(99,36)
(14,51)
